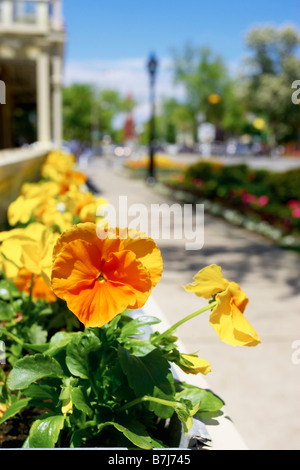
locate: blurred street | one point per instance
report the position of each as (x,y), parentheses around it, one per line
(261,385)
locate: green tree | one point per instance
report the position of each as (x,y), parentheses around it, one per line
(203,74)
(87,109)
(235,119)
(272,67)
(177,118)
(77,112)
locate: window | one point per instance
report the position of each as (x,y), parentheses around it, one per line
(25,11)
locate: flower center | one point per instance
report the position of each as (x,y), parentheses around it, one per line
(101,278)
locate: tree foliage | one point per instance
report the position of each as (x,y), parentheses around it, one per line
(203,74)
(87,109)
(273,65)
(263,89)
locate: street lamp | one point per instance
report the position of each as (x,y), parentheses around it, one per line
(152,69)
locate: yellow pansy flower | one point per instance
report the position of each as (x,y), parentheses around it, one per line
(3,408)
(227,311)
(20,210)
(192,364)
(30,248)
(11,250)
(67,407)
(60,159)
(52,213)
(90,212)
(66,177)
(32,190)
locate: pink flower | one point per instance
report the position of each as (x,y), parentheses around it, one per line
(248,198)
(263,201)
(296,213)
(293,203)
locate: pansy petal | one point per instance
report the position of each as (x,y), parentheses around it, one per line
(146,251)
(77,232)
(40,289)
(239,297)
(87,232)
(208,282)
(99,303)
(191,364)
(229,322)
(77,262)
(124,268)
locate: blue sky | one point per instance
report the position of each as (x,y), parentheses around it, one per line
(108,42)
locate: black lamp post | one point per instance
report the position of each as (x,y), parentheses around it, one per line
(152,68)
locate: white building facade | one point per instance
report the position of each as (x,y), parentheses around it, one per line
(32,39)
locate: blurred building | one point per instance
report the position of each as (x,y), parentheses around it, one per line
(32,39)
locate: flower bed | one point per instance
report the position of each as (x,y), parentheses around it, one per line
(261,200)
(165,165)
(78,371)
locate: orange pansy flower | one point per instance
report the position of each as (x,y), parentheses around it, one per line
(100,277)
(40,289)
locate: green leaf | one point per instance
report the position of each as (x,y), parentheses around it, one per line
(7,311)
(4,290)
(44,433)
(58,342)
(80,400)
(145,373)
(8,290)
(32,368)
(210,402)
(139,347)
(14,409)
(78,351)
(163,411)
(46,311)
(133,327)
(134,431)
(185,417)
(207,401)
(40,391)
(2,373)
(37,335)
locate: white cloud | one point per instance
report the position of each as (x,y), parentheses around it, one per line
(128,76)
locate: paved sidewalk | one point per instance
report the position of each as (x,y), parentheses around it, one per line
(260,386)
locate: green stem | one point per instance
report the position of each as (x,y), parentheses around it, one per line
(12,336)
(158,339)
(153,399)
(31,289)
